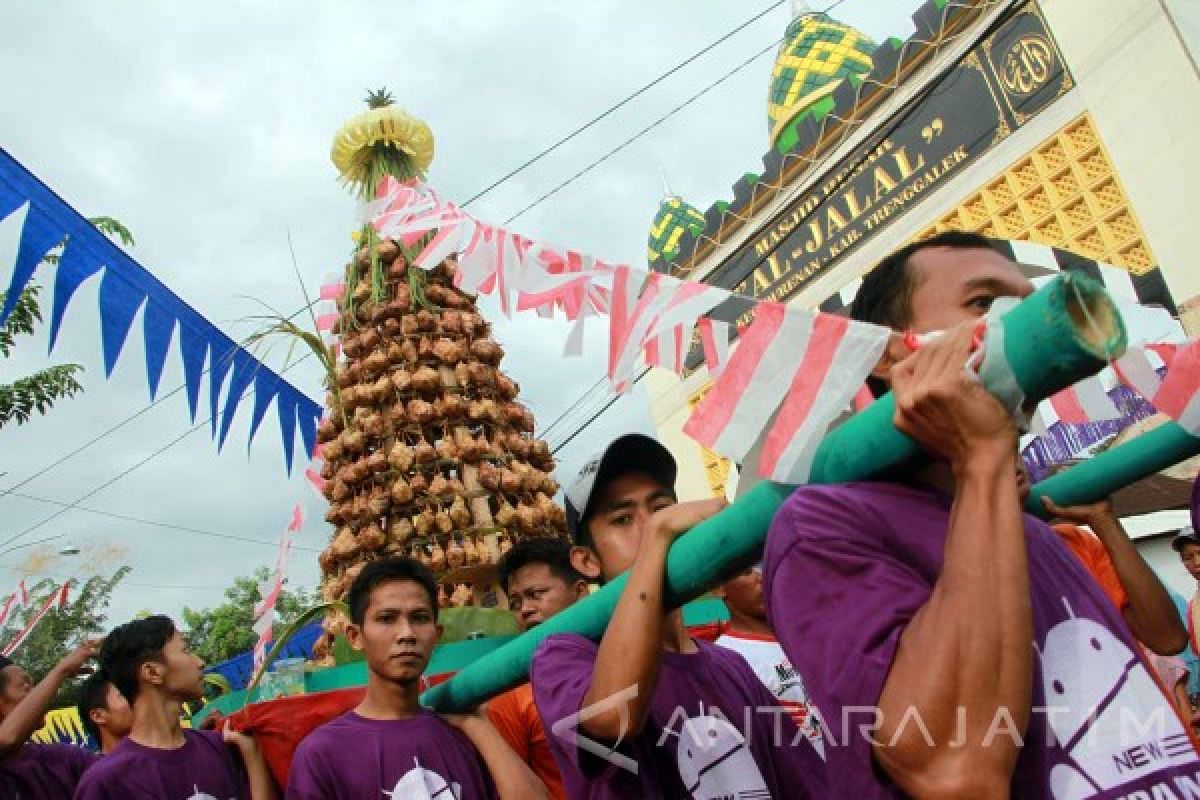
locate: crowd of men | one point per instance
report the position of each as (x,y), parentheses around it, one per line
(914,635)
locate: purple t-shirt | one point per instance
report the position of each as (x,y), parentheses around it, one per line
(353,757)
(205,768)
(43,771)
(714,731)
(846,569)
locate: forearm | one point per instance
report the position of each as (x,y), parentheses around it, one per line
(258,775)
(630,653)
(512,776)
(1151,614)
(22,721)
(965,658)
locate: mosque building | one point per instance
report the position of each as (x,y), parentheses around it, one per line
(1065,124)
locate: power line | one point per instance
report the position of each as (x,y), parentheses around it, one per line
(68,506)
(644,131)
(629,98)
(95,439)
(155,523)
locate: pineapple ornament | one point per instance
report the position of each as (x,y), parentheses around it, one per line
(428,451)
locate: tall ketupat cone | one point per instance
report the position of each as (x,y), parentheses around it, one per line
(427,451)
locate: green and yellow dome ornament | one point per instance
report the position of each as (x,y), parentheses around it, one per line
(674,218)
(817,54)
(383,140)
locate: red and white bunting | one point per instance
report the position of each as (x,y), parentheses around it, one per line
(58,598)
(9,606)
(652,317)
(821,388)
(714,338)
(269,590)
(313,473)
(23,594)
(1179,395)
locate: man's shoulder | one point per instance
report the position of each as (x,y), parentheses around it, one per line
(329,734)
(565,645)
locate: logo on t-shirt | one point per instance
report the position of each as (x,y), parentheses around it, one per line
(715,762)
(199,795)
(423,784)
(1105,712)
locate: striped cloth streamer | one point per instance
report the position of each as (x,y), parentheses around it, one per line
(57,598)
(714,339)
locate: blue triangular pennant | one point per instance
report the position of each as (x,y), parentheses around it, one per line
(193,348)
(220,360)
(119,303)
(244,367)
(309,414)
(38,235)
(76,265)
(157,326)
(10,200)
(266,386)
(285,402)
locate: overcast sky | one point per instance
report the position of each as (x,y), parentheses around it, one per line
(206,131)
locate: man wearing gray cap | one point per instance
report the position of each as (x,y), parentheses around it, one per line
(649,711)
(1187,545)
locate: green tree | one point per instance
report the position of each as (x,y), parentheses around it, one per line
(220,633)
(38,392)
(60,631)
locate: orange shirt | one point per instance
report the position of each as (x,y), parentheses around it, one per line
(516,717)
(1094,555)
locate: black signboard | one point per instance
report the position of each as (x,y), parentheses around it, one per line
(989,93)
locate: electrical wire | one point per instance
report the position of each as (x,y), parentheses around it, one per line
(615,107)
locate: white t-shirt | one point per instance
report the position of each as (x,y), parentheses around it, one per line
(772,666)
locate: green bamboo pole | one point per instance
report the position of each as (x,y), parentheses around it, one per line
(1053,338)
(1062,333)
(693,566)
(1098,477)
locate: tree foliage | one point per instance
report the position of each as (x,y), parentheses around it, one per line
(218,634)
(37,393)
(85,616)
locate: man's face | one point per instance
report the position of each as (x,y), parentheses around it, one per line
(398,632)
(1190,556)
(536,594)
(619,517)
(744,594)
(17,685)
(182,671)
(116,716)
(953,285)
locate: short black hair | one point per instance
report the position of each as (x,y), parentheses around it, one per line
(387,570)
(885,296)
(130,646)
(5,663)
(93,694)
(554,553)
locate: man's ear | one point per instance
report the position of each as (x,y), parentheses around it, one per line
(99,717)
(582,589)
(893,353)
(354,636)
(586,562)
(152,672)
(441,629)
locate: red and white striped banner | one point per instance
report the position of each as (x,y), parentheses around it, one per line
(5,612)
(23,594)
(714,339)
(57,598)
(269,590)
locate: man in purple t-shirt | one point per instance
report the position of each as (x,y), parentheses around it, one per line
(389,746)
(955,646)
(149,662)
(28,770)
(650,712)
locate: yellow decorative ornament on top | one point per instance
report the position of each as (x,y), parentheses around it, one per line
(385,139)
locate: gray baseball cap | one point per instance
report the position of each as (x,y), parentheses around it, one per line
(632,452)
